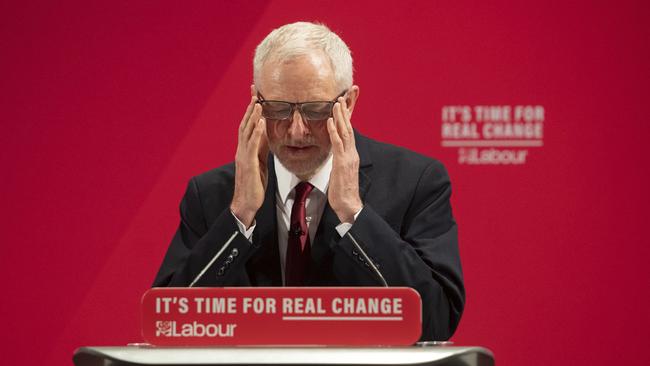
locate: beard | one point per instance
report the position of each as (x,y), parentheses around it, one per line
(302,158)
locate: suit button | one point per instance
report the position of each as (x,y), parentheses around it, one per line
(226,264)
(230,258)
(221,271)
(355,253)
(235,252)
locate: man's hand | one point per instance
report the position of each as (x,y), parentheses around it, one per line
(251,172)
(343,192)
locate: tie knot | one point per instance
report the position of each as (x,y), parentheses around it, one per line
(302,191)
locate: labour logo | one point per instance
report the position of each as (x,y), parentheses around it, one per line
(164,328)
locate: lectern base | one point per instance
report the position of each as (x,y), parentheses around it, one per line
(268,356)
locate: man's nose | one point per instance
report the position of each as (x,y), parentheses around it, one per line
(298,126)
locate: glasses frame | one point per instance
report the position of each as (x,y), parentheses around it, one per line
(298,106)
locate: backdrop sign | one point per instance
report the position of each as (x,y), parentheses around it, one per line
(281,316)
(492,134)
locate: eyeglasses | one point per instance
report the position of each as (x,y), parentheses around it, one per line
(316,111)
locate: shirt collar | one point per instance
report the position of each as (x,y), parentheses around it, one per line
(287,180)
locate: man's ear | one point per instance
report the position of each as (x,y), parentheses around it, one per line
(351,97)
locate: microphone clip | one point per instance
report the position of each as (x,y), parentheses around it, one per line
(296,231)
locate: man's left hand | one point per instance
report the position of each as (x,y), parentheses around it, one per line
(343,191)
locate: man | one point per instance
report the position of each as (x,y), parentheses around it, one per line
(326,206)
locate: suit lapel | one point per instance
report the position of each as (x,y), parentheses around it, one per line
(365,165)
(326,234)
(264,267)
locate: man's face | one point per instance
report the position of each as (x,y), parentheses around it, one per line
(301,146)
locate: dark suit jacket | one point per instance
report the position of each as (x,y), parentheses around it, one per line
(406,228)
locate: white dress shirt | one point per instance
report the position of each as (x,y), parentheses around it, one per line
(314,206)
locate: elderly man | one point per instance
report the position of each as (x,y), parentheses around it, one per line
(327,206)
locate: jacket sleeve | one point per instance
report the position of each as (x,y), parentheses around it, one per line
(200,255)
(423,255)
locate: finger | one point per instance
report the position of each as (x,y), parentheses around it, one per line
(346,113)
(253,90)
(337,143)
(263,148)
(249,110)
(256,136)
(348,124)
(343,132)
(339,120)
(252,122)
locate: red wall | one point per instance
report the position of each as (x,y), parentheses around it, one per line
(107,111)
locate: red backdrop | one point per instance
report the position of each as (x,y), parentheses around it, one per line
(108,109)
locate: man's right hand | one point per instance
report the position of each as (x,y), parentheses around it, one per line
(251,171)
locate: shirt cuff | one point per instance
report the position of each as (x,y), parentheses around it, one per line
(248,233)
(344,227)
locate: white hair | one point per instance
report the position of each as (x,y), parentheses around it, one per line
(301,38)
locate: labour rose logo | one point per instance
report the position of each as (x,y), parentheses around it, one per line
(164,328)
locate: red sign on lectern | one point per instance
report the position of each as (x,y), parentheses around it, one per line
(281,316)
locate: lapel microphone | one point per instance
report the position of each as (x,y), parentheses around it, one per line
(296,231)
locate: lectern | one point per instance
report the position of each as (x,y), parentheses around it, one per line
(341,356)
(358,326)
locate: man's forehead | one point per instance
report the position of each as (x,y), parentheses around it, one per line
(298,76)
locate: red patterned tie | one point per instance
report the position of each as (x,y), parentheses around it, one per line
(298,248)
